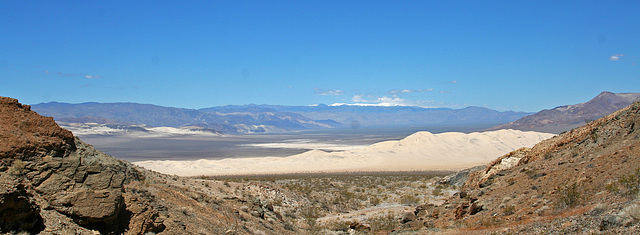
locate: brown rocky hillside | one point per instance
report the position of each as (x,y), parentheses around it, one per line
(53,183)
(567,117)
(585,181)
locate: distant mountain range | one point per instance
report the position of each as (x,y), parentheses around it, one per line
(270,118)
(277,118)
(153,115)
(368,116)
(564,118)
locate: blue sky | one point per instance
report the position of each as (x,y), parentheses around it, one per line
(505,55)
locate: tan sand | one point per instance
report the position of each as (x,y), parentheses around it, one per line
(420,151)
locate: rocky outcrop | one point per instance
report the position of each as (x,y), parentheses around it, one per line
(18,211)
(44,168)
(25,134)
(582,181)
(460,177)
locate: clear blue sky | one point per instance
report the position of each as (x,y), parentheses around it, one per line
(506,55)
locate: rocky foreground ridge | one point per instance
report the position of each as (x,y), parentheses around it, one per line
(53,183)
(584,181)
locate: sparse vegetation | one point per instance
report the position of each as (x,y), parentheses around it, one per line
(569,196)
(627,185)
(509,210)
(325,195)
(491,221)
(310,215)
(387,221)
(633,211)
(409,200)
(17,167)
(337,225)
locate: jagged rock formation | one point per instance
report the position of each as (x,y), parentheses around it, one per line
(53,183)
(566,117)
(584,181)
(53,171)
(460,177)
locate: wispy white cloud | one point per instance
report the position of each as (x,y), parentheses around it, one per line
(87,76)
(386,101)
(379,101)
(328,92)
(358,98)
(406,91)
(616,57)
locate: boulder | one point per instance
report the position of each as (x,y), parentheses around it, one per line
(408,217)
(18,211)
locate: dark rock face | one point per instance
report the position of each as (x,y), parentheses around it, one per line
(42,167)
(458,178)
(25,133)
(18,211)
(85,185)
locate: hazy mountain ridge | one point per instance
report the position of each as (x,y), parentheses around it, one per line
(385,116)
(564,118)
(270,118)
(153,115)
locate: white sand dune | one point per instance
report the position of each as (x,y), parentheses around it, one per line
(83,129)
(419,151)
(307,144)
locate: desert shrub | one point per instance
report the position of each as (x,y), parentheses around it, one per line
(337,225)
(633,211)
(374,201)
(626,185)
(310,215)
(612,187)
(509,210)
(436,192)
(409,200)
(17,167)
(630,184)
(387,221)
(569,196)
(491,221)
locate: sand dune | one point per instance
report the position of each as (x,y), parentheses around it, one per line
(419,151)
(141,131)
